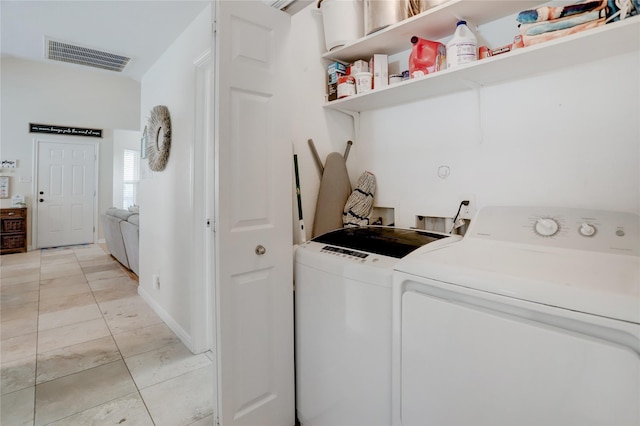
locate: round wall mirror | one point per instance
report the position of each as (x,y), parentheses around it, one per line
(159,138)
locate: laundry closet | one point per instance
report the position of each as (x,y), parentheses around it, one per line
(551,124)
(556,125)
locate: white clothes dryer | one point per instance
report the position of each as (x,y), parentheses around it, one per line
(533,318)
(343,323)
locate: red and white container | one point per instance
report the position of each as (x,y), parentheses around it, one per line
(346,86)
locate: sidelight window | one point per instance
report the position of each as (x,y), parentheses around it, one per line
(130,177)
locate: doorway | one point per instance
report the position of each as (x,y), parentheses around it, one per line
(66,193)
(202,312)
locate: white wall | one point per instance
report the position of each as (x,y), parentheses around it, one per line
(569,138)
(549,140)
(166,197)
(50,93)
(330,130)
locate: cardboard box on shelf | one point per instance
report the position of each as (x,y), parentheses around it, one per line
(332,91)
(334,70)
(359,66)
(379,67)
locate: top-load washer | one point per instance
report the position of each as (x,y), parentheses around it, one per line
(533,318)
(343,323)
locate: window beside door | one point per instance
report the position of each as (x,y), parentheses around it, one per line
(130,177)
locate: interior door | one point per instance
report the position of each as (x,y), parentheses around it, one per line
(66,191)
(254,266)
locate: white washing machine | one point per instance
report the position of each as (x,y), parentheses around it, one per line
(533,318)
(343,323)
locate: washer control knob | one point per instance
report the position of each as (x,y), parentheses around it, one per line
(546,227)
(587,230)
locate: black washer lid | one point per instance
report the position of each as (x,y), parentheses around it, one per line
(382,240)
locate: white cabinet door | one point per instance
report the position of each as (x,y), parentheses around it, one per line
(253,216)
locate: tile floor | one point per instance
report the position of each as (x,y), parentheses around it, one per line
(79,346)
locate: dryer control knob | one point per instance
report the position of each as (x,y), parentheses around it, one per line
(546,227)
(587,230)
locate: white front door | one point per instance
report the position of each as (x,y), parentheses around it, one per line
(65,191)
(253,217)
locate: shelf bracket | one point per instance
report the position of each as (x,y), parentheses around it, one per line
(356,123)
(471,84)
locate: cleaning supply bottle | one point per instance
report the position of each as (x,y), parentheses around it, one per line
(463,47)
(426,57)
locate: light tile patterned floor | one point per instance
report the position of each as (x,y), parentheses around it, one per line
(79,346)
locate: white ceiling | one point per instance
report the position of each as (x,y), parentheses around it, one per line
(141,30)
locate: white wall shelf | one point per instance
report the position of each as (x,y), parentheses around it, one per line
(432,24)
(599,43)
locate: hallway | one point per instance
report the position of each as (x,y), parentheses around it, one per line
(79,346)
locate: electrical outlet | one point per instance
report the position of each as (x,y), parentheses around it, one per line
(156,282)
(467,212)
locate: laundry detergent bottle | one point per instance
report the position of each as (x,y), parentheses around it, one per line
(463,47)
(426,57)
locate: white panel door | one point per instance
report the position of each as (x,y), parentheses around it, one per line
(253,217)
(65,193)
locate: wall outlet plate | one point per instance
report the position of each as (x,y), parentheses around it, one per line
(467,212)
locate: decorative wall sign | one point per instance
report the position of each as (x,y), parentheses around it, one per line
(62,130)
(8,164)
(159,138)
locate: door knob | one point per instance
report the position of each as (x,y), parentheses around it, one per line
(260,250)
(41,200)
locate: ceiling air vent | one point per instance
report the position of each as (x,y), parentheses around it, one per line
(278,4)
(67,52)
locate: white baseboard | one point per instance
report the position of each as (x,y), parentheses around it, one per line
(102,241)
(171,323)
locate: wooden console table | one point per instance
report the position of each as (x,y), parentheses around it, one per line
(13,230)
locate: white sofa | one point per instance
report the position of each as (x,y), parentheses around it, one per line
(121,230)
